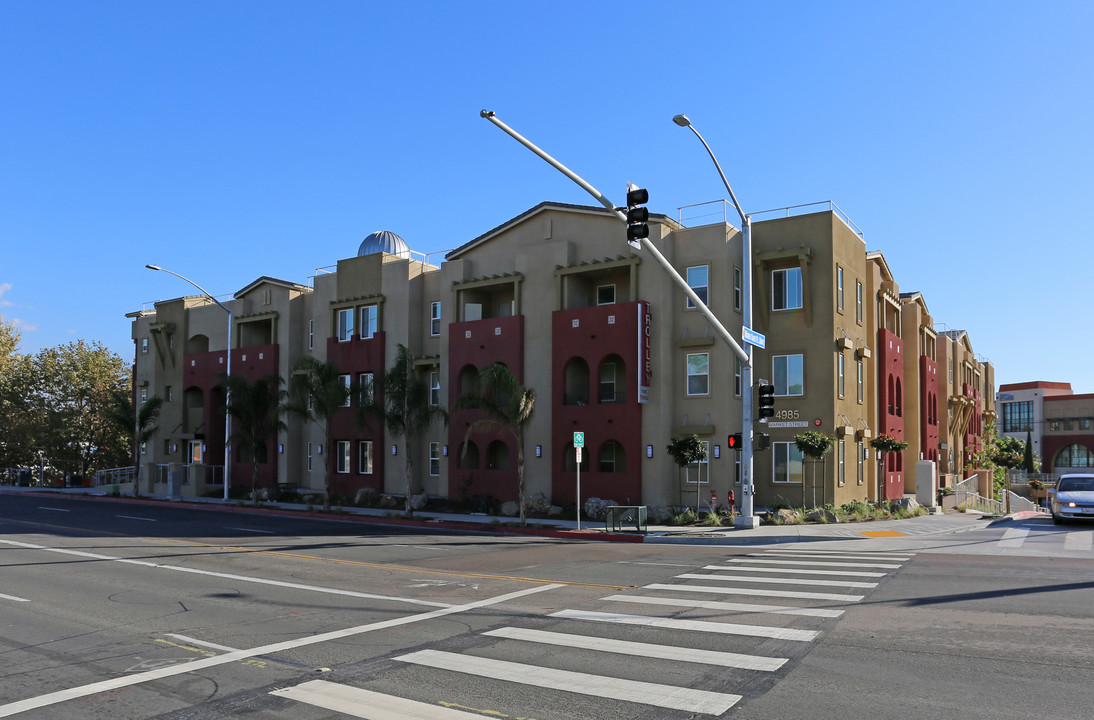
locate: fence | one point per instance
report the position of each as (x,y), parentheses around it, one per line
(115,476)
(968,496)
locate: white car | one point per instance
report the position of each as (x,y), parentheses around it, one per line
(1073,498)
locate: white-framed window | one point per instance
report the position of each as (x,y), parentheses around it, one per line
(607,383)
(839,288)
(345,324)
(698,277)
(435,318)
(787,467)
(369,319)
(858,300)
(309,457)
(841,458)
(144,394)
(434,459)
(434,387)
(860,456)
(738,368)
(737,282)
(367,387)
(170,394)
(364,457)
(786,289)
(144,448)
(341,456)
(861,381)
(840,373)
(144,345)
(698,373)
(346,382)
(699,472)
(789,374)
(605,294)
(311,333)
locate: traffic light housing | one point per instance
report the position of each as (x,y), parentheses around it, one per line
(762,441)
(637,216)
(733,442)
(765,400)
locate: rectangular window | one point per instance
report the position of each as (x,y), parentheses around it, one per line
(786,289)
(345,324)
(789,374)
(841,458)
(607,457)
(839,288)
(364,457)
(309,457)
(607,382)
(858,300)
(699,472)
(144,394)
(861,381)
(434,319)
(311,333)
(170,394)
(605,294)
(434,387)
(434,459)
(1018,416)
(839,373)
(737,370)
(144,345)
(787,462)
(366,387)
(346,382)
(737,288)
(698,373)
(368,321)
(341,456)
(860,456)
(699,280)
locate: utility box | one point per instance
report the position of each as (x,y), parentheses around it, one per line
(176,476)
(926,483)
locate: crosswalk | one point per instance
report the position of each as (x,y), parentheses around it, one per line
(788,599)
(1041,536)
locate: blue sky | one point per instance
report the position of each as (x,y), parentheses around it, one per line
(230,140)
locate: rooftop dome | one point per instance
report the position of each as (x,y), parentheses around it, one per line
(384,241)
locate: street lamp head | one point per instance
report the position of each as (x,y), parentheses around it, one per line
(153,267)
(682,120)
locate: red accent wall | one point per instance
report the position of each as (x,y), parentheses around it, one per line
(476,344)
(975,429)
(353,357)
(891,400)
(928,408)
(1053,444)
(602,332)
(204,371)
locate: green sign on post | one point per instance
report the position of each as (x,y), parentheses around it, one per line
(579,439)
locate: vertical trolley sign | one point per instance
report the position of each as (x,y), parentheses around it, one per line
(579,443)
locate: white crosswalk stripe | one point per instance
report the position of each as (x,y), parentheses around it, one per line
(359,703)
(728,607)
(796,571)
(666,696)
(1014,537)
(821,563)
(830,554)
(1079,540)
(778,581)
(697,625)
(757,592)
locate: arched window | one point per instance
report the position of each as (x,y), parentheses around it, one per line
(612,458)
(1074,456)
(470,461)
(497,456)
(469,380)
(890,395)
(197,344)
(577,382)
(899,398)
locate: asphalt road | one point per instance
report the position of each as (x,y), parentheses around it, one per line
(118,610)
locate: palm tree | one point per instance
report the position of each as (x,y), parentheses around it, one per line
(137,424)
(509,406)
(317,392)
(406,411)
(256,408)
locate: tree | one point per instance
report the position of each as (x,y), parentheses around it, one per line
(1028,463)
(814,445)
(685,451)
(406,411)
(509,407)
(883,445)
(256,407)
(317,391)
(137,425)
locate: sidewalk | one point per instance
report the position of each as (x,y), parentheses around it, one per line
(552,527)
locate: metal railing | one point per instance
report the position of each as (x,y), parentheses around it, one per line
(115,476)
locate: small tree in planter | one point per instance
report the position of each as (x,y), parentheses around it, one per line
(814,445)
(685,451)
(883,445)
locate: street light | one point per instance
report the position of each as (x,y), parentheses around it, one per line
(748,488)
(227,391)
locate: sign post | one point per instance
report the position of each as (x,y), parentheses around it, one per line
(579,443)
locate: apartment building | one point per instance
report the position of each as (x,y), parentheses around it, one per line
(613,348)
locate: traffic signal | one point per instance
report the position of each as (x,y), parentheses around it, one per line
(765,399)
(762,441)
(733,442)
(637,216)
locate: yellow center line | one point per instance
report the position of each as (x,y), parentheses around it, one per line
(397,568)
